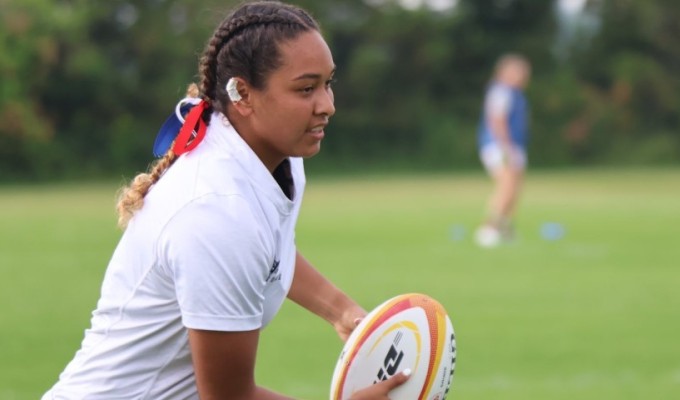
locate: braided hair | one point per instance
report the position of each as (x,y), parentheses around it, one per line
(244,45)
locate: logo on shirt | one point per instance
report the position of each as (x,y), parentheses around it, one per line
(274,273)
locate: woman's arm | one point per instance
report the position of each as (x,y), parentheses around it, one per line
(224,365)
(500,128)
(314,292)
(224,362)
(317,294)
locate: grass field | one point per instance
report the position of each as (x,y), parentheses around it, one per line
(595,315)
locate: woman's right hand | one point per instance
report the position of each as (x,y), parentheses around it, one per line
(380,390)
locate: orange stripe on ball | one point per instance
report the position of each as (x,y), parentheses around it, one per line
(395,306)
(435,313)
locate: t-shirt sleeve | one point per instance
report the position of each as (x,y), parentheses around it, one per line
(498,101)
(216,252)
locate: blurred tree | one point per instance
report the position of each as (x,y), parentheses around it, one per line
(132,62)
(85,85)
(411,81)
(630,77)
(29,52)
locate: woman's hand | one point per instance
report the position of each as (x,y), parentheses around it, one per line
(349,320)
(381,390)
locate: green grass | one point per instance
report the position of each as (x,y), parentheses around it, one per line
(592,316)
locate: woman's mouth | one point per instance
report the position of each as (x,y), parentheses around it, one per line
(317,132)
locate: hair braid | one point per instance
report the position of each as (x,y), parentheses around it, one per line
(221,60)
(245,45)
(131,198)
(229,28)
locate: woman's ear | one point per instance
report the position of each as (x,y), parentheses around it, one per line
(240,95)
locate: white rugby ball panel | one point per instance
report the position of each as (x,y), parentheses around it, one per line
(408,331)
(397,345)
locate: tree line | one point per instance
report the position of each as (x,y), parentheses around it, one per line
(85,85)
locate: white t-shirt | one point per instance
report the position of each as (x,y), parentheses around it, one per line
(498,99)
(213,248)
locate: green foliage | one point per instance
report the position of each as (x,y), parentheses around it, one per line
(85,85)
(28,54)
(629,72)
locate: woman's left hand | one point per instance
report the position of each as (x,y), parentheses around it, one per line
(349,319)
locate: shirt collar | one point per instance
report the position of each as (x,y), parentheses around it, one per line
(223,135)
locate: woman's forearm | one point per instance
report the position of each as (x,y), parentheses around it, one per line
(317,294)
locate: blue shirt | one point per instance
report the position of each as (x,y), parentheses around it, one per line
(512,102)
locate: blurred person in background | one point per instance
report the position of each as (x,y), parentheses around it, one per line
(502,140)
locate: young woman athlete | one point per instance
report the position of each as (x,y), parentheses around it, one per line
(502,139)
(208,254)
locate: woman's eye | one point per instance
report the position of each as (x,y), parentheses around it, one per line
(306,89)
(330,82)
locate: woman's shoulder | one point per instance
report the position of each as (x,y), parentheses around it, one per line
(218,217)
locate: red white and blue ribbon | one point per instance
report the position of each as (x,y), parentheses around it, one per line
(183,130)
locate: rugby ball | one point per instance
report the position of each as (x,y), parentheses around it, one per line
(408,331)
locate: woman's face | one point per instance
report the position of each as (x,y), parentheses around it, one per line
(517,74)
(289,115)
